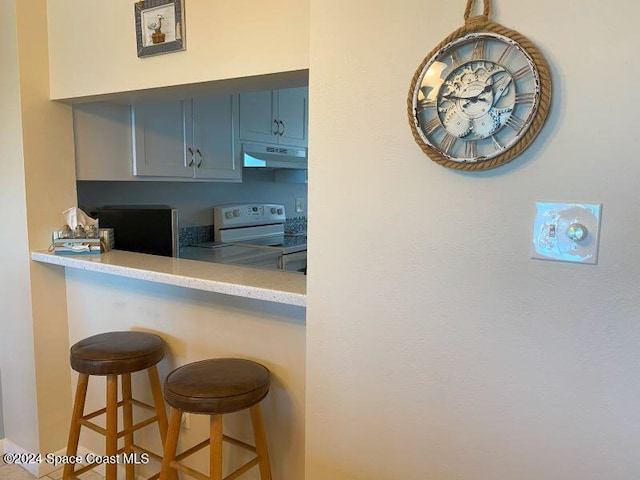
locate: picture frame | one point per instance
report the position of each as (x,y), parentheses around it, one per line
(159,26)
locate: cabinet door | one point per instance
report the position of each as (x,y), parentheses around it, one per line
(102,138)
(257,117)
(213,139)
(161,137)
(293,113)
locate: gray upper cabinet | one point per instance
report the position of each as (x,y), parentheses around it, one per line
(213,139)
(185,139)
(293,113)
(102,138)
(160,138)
(274,116)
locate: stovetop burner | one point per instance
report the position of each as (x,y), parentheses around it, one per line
(288,243)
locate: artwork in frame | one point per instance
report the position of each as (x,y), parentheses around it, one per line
(159,26)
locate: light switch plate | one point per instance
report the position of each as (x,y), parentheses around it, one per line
(558,228)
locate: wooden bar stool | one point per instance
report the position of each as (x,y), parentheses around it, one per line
(215,387)
(116,354)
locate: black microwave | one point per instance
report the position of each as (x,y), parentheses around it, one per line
(149,229)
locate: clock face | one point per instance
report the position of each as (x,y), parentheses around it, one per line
(476,97)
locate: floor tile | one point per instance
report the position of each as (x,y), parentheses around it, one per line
(91,476)
(57,475)
(14,472)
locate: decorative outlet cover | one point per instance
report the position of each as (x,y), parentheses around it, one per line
(567,232)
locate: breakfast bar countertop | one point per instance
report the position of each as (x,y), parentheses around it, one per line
(272,286)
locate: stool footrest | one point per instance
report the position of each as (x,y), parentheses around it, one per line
(142,404)
(102,431)
(195,474)
(200,476)
(192,450)
(92,426)
(84,469)
(97,413)
(139,449)
(138,426)
(205,443)
(133,401)
(189,471)
(238,443)
(242,469)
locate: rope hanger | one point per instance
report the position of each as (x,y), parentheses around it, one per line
(486,12)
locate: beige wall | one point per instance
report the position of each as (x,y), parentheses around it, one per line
(37,185)
(16,338)
(198,325)
(92,44)
(436,348)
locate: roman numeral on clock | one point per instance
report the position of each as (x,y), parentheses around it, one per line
(471,149)
(431,126)
(479,50)
(455,59)
(496,143)
(514,122)
(447,143)
(505,55)
(523,72)
(525,98)
(424,103)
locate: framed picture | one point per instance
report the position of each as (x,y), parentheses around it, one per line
(159,26)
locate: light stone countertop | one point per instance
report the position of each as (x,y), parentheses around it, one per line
(272,286)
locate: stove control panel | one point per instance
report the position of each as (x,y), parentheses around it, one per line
(247,215)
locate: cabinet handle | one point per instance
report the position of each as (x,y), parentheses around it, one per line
(282,125)
(192,160)
(201,158)
(277,130)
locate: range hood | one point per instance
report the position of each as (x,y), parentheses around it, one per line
(273,156)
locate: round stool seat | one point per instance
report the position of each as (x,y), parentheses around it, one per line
(115,353)
(217,386)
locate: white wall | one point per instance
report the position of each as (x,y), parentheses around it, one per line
(435,347)
(92,45)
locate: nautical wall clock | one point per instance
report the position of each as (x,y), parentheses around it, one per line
(480,97)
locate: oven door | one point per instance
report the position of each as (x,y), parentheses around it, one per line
(294,262)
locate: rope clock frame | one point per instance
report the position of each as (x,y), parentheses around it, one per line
(470,102)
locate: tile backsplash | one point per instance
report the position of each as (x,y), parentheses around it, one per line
(193,235)
(204,233)
(296,225)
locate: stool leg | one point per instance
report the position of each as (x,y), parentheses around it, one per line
(161,413)
(74,430)
(112,425)
(215,447)
(158,401)
(171,443)
(127,417)
(261,442)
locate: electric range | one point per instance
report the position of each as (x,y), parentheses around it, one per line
(253,234)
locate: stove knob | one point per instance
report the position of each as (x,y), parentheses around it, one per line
(280,211)
(236,213)
(229,214)
(273,210)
